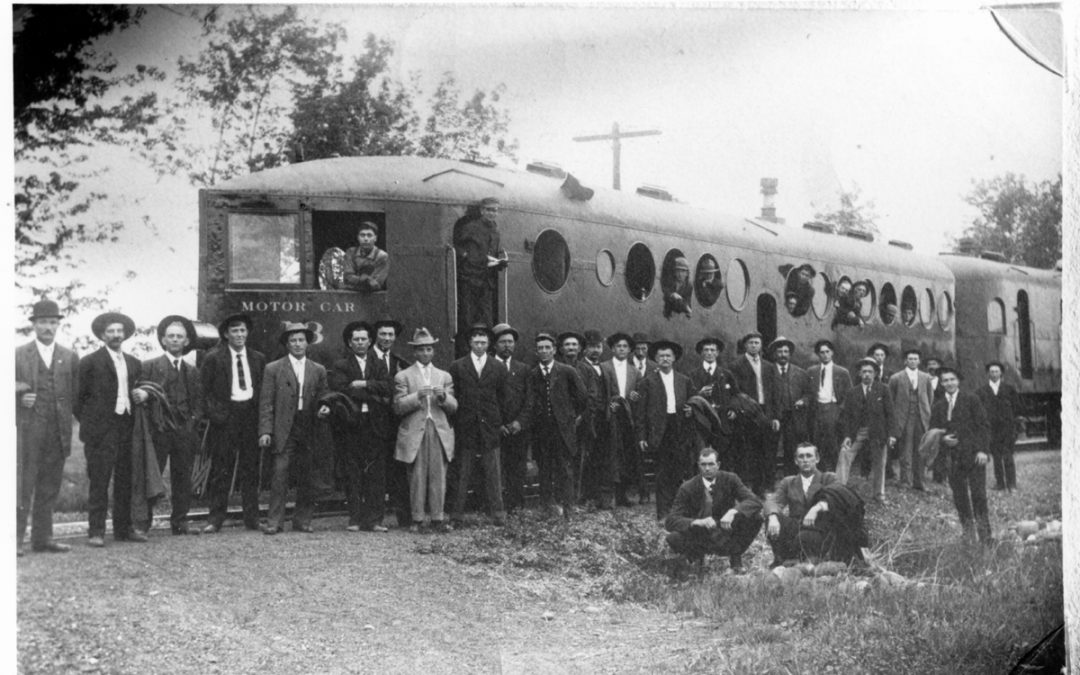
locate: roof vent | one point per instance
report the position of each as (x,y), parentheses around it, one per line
(901,244)
(818,226)
(860,234)
(479,162)
(965,246)
(655,192)
(545,169)
(996,256)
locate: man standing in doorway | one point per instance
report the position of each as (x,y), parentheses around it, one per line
(479,261)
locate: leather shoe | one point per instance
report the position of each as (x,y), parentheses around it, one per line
(138,537)
(352,528)
(737,564)
(272,530)
(303,528)
(184,529)
(378,528)
(96,542)
(50,547)
(211,529)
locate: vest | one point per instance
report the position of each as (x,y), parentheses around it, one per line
(176,390)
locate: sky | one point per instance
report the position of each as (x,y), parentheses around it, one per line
(911,106)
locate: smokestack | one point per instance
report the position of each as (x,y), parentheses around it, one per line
(768,207)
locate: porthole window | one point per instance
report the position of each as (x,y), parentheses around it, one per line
(822,288)
(605,267)
(640,271)
(995,316)
(551,261)
(888,308)
(799,290)
(926,308)
(738,283)
(707,282)
(867,300)
(909,306)
(847,305)
(945,311)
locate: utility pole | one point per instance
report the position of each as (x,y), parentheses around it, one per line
(616,146)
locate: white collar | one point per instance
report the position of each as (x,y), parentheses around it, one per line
(296,361)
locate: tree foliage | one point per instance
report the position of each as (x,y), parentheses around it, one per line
(851,215)
(1018,220)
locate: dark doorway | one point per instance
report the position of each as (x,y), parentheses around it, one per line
(1023,333)
(766,318)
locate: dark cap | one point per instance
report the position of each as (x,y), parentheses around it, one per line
(665,344)
(571,334)
(949,369)
(490,201)
(883,347)
(479,329)
(593,337)
(502,329)
(45,309)
(391,323)
(640,338)
(544,335)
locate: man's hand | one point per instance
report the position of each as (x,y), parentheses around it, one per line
(731,415)
(892,441)
(774,526)
(775,424)
(358,384)
(706,391)
(951,441)
(28,399)
(812,514)
(708,523)
(264,441)
(644,445)
(139,395)
(440,393)
(323,411)
(981,459)
(800,403)
(614,406)
(687,411)
(729,517)
(634,396)
(514,427)
(845,444)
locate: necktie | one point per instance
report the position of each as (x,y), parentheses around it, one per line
(866,392)
(545,370)
(240,372)
(952,402)
(386,360)
(823,376)
(176,363)
(707,507)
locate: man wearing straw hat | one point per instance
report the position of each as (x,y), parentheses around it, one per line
(45,386)
(231,378)
(103,407)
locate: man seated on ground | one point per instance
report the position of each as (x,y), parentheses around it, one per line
(823,519)
(713,513)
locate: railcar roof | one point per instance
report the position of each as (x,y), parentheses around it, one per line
(969,268)
(455,182)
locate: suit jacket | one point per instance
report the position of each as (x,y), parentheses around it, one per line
(900,390)
(747,381)
(651,418)
(279,394)
(516,379)
(611,382)
(377,394)
(1001,409)
(841,382)
(569,400)
(481,398)
(968,422)
(799,387)
(397,364)
(157,369)
(598,399)
(95,402)
(413,412)
(789,494)
(650,365)
(65,369)
(874,411)
(216,374)
(728,493)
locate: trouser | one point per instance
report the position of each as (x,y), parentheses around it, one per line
(798,541)
(826,434)
(468,442)
(877,454)
(599,481)
(1001,450)
(792,432)
(515,456)
(365,476)
(673,466)
(178,448)
(295,454)
(553,459)
(41,472)
(236,437)
(626,458)
(427,477)
(397,483)
(108,458)
(755,456)
(912,470)
(968,482)
(699,541)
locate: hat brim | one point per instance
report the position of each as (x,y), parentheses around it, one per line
(398,327)
(103,321)
(665,344)
(775,344)
(189,328)
(571,334)
(223,327)
(308,333)
(426,342)
(709,341)
(511,331)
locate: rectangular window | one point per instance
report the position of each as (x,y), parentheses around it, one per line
(264,248)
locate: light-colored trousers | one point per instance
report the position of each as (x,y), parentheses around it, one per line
(877,461)
(427,477)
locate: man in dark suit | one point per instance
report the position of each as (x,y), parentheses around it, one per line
(756,446)
(231,381)
(515,446)
(1002,405)
(183,390)
(939,470)
(592,429)
(831,383)
(867,421)
(46,380)
(397,475)
(480,388)
(555,400)
(967,433)
(794,394)
(717,385)
(663,423)
(879,351)
(362,440)
(622,459)
(713,513)
(288,408)
(103,407)
(642,362)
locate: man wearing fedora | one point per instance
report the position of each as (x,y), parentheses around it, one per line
(231,379)
(424,400)
(103,407)
(288,407)
(570,343)
(515,445)
(662,422)
(364,379)
(709,285)
(46,380)
(716,385)
(641,360)
(755,451)
(480,389)
(183,390)
(366,265)
(830,382)
(592,429)
(621,460)
(794,394)
(867,422)
(387,331)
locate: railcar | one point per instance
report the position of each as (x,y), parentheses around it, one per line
(578,258)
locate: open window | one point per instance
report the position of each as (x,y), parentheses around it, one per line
(707,282)
(676,284)
(264,249)
(640,271)
(799,290)
(887,308)
(909,306)
(342,263)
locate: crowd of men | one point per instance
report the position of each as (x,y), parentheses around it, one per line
(424,436)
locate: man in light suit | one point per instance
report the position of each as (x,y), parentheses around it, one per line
(912,397)
(866,421)
(288,408)
(621,462)
(103,407)
(46,379)
(1002,405)
(830,382)
(423,399)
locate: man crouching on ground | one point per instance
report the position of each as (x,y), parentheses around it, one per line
(713,513)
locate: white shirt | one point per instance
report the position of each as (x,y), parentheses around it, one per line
(46,352)
(425,372)
(620,374)
(913,376)
(362,362)
(247,392)
(825,389)
(755,363)
(933,383)
(639,364)
(951,398)
(298,370)
(478,363)
(669,388)
(806,480)
(383,356)
(993,385)
(710,368)
(123,402)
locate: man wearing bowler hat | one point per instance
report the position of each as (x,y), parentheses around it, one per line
(515,445)
(182,387)
(756,446)
(231,380)
(46,379)
(288,407)
(793,396)
(103,407)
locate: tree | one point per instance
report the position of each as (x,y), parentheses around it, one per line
(1023,223)
(851,216)
(475,129)
(67,101)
